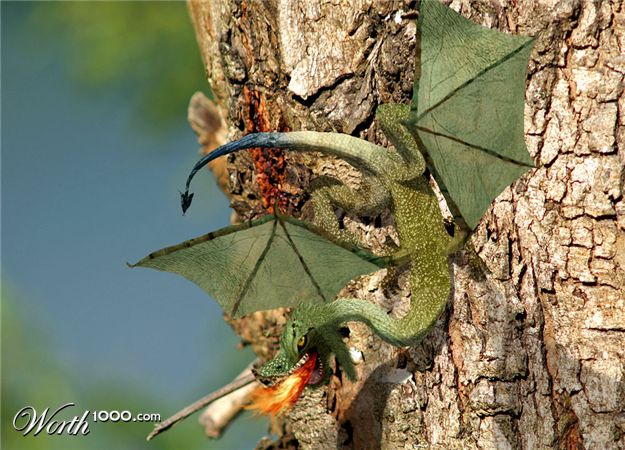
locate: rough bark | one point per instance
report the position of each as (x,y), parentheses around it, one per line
(531,352)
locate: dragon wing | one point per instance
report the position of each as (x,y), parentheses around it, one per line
(467,107)
(265,264)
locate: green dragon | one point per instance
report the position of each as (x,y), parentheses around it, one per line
(464,127)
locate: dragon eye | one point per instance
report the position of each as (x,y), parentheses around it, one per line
(301,343)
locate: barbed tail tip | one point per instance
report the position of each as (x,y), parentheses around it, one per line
(185,201)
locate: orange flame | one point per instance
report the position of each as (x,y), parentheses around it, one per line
(283,395)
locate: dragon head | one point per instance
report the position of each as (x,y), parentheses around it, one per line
(306,347)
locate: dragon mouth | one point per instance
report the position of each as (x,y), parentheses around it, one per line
(284,391)
(319,371)
(301,368)
(298,366)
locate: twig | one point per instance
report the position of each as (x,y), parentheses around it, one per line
(218,415)
(199,404)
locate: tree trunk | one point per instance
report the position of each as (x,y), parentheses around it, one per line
(531,351)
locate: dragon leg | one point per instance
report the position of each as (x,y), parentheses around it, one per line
(329,193)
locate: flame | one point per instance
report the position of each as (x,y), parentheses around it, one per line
(283,395)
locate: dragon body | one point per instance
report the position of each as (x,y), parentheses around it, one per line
(392,178)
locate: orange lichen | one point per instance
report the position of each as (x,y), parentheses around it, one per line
(269,164)
(283,395)
(270,173)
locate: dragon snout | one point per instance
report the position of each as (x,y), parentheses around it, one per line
(266,381)
(268,373)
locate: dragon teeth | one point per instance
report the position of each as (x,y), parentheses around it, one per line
(300,363)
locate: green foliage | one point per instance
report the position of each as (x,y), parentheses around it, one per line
(145,49)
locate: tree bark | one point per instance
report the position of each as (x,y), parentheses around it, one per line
(531,351)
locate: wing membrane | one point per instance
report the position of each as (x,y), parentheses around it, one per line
(265,264)
(467,108)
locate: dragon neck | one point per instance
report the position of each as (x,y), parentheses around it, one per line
(405,331)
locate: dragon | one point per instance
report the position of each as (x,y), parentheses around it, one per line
(464,128)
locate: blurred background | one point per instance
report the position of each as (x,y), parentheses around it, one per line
(95,146)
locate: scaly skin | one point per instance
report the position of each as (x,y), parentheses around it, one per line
(413,204)
(393,179)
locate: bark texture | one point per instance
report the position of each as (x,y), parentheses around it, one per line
(531,352)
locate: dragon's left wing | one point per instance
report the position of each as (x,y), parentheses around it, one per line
(467,107)
(268,263)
